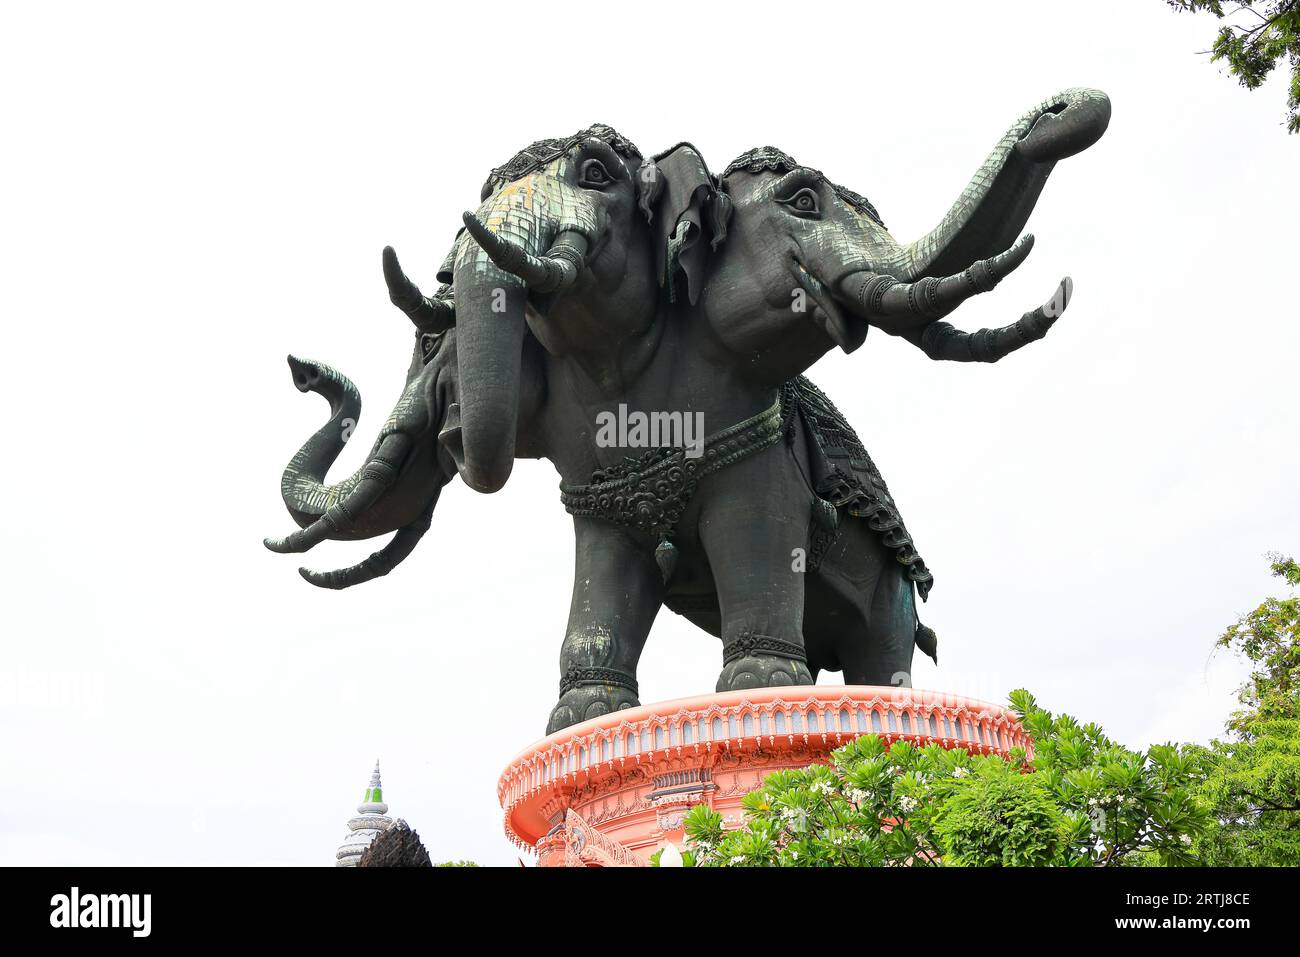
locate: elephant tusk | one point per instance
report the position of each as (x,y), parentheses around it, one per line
(379,563)
(553,272)
(881,297)
(430,315)
(376,476)
(940,340)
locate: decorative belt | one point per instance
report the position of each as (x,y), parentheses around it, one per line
(650,493)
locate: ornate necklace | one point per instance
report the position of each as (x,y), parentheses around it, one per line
(651,492)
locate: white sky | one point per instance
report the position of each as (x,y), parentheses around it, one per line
(187,196)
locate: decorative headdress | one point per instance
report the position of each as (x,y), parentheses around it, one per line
(770,159)
(539,154)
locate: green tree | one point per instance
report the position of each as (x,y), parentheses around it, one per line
(1269,638)
(1254,785)
(1128,807)
(1253,778)
(1083,800)
(1002,818)
(1252,49)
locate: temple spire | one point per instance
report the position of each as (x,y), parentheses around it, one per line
(375,793)
(372,819)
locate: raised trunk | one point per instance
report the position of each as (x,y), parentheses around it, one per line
(994,207)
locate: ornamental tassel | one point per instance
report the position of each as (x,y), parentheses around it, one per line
(666,557)
(927,641)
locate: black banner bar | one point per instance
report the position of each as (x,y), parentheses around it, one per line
(134,906)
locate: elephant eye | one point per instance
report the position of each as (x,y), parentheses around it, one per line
(428,345)
(803,203)
(594,174)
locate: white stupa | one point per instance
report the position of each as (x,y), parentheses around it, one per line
(372,818)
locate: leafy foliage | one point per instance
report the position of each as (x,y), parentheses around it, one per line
(1254,785)
(1083,800)
(1254,777)
(1126,807)
(1269,638)
(1253,49)
(1002,819)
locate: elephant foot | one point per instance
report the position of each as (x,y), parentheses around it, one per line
(589,701)
(763,671)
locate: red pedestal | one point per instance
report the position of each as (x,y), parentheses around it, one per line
(613,790)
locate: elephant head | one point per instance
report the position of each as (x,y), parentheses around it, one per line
(801,248)
(550,228)
(560,196)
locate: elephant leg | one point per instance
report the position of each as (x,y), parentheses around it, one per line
(617,591)
(883,655)
(760,592)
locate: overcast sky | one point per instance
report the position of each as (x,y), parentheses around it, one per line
(185,197)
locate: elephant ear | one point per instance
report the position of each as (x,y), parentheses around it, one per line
(681,199)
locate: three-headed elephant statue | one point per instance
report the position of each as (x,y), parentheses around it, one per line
(592,285)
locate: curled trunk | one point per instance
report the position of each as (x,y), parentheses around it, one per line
(395,486)
(302,484)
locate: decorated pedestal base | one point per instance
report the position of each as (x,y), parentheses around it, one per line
(613,790)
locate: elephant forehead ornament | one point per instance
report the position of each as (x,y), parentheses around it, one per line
(589,279)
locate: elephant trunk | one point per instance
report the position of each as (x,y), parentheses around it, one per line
(302,485)
(490,327)
(994,207)
(505,255)
(388,492)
